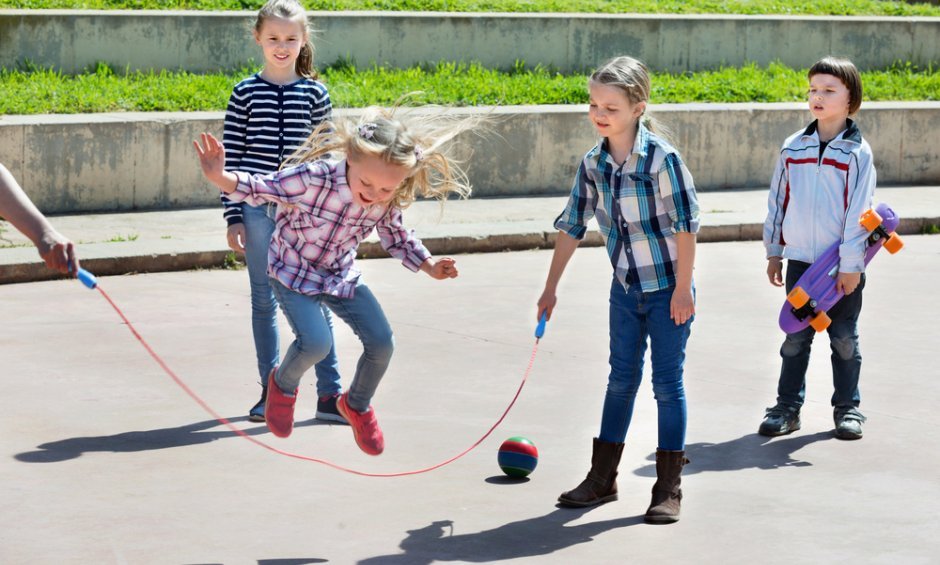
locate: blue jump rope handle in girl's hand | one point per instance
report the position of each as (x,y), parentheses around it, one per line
(540,329)
(87,278)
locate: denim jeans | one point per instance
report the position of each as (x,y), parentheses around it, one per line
(843,340)
(634,317)
(314,338)
(259,227)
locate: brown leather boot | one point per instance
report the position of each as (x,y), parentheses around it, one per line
(667,496)
(601,482)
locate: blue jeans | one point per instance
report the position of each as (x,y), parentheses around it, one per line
(314,338)
(843,340)
(634,317)
(259,227)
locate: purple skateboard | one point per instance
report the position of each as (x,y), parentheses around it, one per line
(815,293)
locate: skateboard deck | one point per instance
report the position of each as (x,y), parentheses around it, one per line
(815,292)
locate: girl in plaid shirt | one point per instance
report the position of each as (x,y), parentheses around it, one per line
(635,184)
(325,208)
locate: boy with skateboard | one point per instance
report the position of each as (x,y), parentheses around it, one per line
(824,180)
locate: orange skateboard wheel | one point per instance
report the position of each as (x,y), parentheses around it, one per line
(797,297)
(820,322)
(894,243)
(870,220)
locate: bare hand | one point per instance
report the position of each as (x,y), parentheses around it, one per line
(682,306)
(445,268)
(236,237)
(775,271)
(546,304)
(211,157)
(848,282)
(58,253)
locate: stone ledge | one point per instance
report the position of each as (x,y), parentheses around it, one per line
(142,161)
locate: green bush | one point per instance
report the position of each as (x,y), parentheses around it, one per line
(31,90)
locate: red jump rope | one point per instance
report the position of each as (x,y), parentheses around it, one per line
(90,281)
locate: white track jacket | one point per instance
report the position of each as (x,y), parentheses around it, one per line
(815,200)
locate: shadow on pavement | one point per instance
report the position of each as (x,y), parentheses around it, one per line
(128,442)
(525,538)
(752,451)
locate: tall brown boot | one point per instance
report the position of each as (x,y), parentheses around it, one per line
(601,482)
(667,496)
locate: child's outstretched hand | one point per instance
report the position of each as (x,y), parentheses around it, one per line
(444,268)
(58,252)
(211,157)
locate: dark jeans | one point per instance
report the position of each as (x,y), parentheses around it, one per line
(843,340)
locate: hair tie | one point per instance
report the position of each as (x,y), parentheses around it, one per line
(367,130)
(419,152)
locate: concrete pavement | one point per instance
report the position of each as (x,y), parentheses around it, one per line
(110,244)
(105,460)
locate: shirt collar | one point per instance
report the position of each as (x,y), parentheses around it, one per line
(640,144)
(850,133)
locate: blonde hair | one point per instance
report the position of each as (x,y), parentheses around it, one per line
(291,10)
(631,77)
(420,141)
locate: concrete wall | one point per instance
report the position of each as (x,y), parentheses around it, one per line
(111,162)
(207,41)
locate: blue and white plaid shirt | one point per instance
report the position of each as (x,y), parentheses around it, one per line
(639,207)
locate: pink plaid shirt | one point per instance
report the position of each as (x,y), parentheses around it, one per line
(319,227)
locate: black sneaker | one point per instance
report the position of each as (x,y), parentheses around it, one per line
(848,422)
(780,420)
(256,414)
(326,409)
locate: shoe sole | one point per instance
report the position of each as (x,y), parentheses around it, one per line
(327,417)
(660,519)
(254,418)
(848,435)
(578,504)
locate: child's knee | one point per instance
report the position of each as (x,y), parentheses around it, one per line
(381,345)
(845,347)
(794,345)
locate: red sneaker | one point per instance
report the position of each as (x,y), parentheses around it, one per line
(365,427)
(279,408)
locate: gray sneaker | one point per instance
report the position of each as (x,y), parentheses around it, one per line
(848,422)
(780,420)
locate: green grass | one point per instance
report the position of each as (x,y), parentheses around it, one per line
(784,7)
(39,91)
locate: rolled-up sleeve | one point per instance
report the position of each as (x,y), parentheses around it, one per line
(677,192)
(401,243)
(581,205)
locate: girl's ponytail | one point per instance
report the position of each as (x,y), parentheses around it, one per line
(304,63)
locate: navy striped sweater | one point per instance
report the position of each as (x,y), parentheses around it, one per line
(265,123)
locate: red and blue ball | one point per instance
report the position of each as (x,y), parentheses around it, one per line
(518,457)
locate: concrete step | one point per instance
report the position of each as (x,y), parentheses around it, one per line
(110,244)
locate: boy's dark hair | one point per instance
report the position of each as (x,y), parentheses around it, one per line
(844,70)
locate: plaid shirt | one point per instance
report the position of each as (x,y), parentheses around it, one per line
(318,227)
(639,207)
